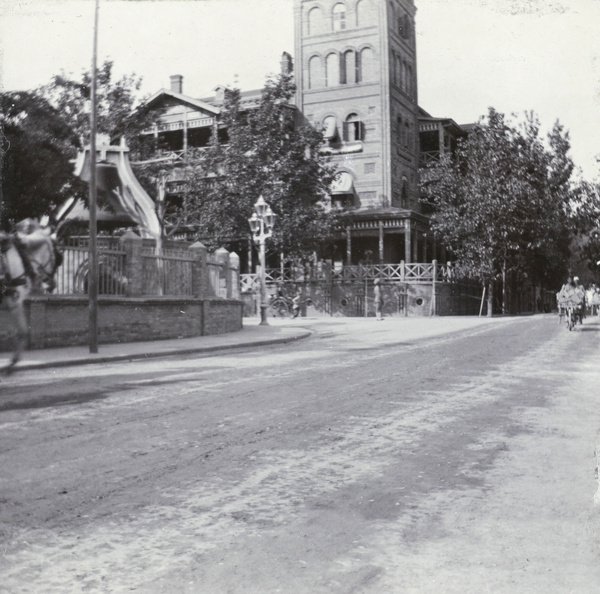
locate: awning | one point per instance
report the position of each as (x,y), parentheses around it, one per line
(330,128)
(342,184)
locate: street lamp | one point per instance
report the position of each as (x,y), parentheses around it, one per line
(261,225)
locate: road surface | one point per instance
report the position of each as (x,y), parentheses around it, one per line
(458,464)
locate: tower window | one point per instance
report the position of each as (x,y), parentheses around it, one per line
(314,21)
(404,26)
(330,132)
(404,195)
(365,66)
(315,73)
(353,129)
(339,17)
(332,70)
(361,13)
(348,67)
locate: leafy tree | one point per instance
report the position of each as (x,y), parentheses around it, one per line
(585,246)
(270,153)
(36,145)
(119,110)
(503,204)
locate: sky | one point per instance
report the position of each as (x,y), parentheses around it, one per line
(513,55)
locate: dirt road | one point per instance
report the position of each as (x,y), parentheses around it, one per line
(452,465)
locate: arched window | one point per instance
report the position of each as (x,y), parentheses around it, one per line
(315,73)
(366,67)
(315,21)
(332,70)
(330,131)
(402,131)
(362,16)
(411,81)
(404,77)
(399,74)
(348,67)
(339,17)
(353,129)
(404,194)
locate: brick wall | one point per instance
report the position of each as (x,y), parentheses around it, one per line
(63,320)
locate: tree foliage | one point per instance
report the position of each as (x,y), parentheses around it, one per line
(269,153)
(37,144)
(120,112)
(505,202)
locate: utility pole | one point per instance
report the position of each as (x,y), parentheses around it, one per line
(93,269)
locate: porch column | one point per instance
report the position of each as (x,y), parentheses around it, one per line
(407,242)
(441,139)
(415,246)
(185,129)
(424,248)
(380,242)
(348,246)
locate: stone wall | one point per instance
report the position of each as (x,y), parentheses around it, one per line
(56,321)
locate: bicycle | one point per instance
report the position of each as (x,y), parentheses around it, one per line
(572,313)
(280,307)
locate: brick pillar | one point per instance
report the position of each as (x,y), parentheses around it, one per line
(132,245)
(199,270)
(234,276)
(222,257)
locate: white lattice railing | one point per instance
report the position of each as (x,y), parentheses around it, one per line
(402,272)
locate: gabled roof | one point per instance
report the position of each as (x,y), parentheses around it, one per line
(247,98)
(197,103)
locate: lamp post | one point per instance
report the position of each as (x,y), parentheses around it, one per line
(261,225)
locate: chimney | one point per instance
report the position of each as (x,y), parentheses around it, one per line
(287,66)
(177,83)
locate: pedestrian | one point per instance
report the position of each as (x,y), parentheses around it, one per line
(378,300)
(296,305)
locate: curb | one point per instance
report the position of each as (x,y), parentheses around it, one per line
(91,359)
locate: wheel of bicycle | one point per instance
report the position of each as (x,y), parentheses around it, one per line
(279,309)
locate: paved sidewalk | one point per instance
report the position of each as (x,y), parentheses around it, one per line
(358,332)
(251,335)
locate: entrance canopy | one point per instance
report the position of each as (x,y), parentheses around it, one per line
(343,184)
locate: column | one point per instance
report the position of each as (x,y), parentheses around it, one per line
(348,246)
(407,242)
(134,265)
(199,270)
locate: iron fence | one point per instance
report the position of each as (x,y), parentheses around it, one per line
(167,275)
(72,277)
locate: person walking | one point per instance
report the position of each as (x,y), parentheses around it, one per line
(296,304)
(378,300)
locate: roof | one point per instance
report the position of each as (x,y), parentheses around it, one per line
(197,103)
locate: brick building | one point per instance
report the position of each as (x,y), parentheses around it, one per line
(355,71)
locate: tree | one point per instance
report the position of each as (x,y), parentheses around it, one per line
(268,152)
(36,146)
(503,203)
(120,111)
